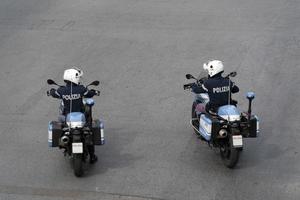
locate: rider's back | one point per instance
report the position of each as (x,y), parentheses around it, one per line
(72,93)
(218,89)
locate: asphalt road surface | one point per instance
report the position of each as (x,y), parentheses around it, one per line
(140,50)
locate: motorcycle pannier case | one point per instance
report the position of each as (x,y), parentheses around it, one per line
(209,127)
(54,133)
(254,127)
(97,128)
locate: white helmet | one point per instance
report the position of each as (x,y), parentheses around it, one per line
(213,67)
(73,75)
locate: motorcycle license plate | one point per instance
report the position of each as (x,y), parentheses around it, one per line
(237,141)
(77,148)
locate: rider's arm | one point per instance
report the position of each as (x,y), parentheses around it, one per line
(88,93)
(55,93)
(199,88)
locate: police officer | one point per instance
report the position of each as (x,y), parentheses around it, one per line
(216,86)
(72,94)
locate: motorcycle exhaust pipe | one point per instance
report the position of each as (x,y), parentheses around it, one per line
(65,139)
(223,133)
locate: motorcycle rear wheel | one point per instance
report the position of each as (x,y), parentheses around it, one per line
(78,164)
(229,155)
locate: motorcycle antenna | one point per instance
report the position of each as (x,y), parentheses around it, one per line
(229,95)
(71,100)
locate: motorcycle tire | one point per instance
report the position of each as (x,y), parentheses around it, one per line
(78,165)
(229,155)
(194,115)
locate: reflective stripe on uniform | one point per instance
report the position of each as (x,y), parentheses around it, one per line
(204,88)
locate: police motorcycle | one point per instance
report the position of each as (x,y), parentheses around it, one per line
(226,128)
(76,131)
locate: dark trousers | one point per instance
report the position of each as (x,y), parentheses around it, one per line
(91,149)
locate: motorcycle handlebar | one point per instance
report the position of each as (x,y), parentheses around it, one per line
(187,86)
(231,74)
(49,91)
(97,93)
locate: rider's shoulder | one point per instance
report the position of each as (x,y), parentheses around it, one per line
(209,80)
(61,88)
(81,88)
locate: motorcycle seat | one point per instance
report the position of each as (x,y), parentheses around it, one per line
(211,112)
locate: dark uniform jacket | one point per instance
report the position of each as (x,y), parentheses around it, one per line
(72,92)
(217,88)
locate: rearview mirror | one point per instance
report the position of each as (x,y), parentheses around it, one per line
(95,83)
(51,82)
(189,76)
(233,74)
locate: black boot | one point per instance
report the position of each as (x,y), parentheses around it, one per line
(93,159)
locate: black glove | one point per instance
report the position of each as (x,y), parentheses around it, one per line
(51,92)
(201,80)
(95,92)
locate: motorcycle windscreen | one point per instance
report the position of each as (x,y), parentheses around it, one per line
(230,113)
(202,97)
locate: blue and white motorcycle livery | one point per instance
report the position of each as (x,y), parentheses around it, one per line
(76,131)
(226,128)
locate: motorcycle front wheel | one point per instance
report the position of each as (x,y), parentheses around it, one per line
(194,116)
(229,155)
